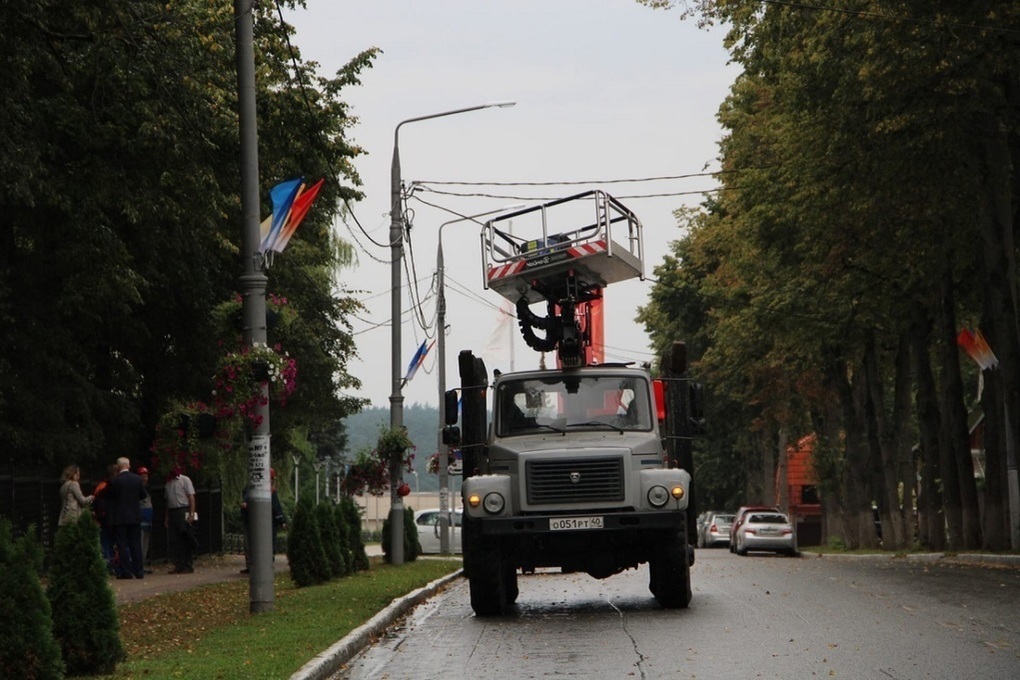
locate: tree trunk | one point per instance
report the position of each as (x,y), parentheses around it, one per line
(931,523)
(1000,318)
(858,524)
(963,518)
(886,439)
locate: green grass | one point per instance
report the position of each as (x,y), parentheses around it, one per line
(209,632)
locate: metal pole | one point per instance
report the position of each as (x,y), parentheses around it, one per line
(253,291)
(443,449)
(397,254)
(297,460)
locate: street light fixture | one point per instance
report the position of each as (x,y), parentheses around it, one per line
(397,254)
(444,450)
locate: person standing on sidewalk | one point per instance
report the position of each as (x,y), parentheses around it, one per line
(180,514)
(124,497)
(72,500)
(146,506)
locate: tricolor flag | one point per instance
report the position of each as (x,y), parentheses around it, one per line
(417,360)
(975,345)
(291,201)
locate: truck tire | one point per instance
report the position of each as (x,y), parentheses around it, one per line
(670,569)
(488,579)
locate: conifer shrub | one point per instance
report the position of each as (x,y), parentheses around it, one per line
(343,538)
(28,648)
(354,539)
(331,539)
(305,552)
(85,620)
(412,546)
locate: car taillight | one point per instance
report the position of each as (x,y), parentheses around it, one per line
(787,530)
(713,529)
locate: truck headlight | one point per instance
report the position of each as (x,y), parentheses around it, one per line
(494,503)
(658,496)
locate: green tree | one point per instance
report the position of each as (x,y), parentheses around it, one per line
(84,612)
(120,187)
(27,646)
(306,554)
(331,540)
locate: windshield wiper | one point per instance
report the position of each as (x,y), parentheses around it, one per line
(534,426)
(595,423)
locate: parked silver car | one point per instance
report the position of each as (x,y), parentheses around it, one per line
(715,530)
(427,522)
(769,531)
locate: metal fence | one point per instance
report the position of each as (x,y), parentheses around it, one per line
(30,500)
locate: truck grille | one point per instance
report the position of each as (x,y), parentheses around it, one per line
(578,479)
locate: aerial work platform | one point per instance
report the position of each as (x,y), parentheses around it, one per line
(526,253)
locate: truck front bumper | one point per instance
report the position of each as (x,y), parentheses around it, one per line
(529,525)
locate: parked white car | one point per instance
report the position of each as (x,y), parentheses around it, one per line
(427,522)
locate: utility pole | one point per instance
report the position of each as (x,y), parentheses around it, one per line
(253,292)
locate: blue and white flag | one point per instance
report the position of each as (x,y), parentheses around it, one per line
(417,360)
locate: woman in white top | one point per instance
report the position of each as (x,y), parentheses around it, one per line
(71,497)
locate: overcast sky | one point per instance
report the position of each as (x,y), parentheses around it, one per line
(604,90)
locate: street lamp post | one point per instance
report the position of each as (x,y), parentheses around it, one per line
(443,449)
(397,254)
(297,460)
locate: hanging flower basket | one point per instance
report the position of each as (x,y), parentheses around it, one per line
(241,376)
(370,472)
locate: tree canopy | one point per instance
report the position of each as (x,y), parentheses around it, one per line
(120,195)
(866,214)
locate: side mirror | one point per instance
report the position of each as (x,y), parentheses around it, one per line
(450,410)
(451,436)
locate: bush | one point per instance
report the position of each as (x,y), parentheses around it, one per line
(331,539)
(412,547)
(84,609)
(352,519)
(305,552)
(28,648)
(343,538)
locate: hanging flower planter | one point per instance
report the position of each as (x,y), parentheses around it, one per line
(241,376)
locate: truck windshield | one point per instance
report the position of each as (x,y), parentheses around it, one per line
(558,403)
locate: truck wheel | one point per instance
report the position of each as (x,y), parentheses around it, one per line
(510,579)
(671,573)
(488,579)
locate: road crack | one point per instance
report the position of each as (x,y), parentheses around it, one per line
(633,641)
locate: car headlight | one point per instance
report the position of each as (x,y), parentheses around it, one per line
(658,496)
(494,502)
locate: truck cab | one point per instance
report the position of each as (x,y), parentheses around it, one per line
(574,475)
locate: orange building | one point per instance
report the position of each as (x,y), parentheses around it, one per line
(805,504)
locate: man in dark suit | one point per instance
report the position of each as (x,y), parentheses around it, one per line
(125,492)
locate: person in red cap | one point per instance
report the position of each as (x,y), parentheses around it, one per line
(146,504)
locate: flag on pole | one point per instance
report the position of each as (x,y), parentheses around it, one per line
(299,208)
(417,360)
(291,202)
(975,345)
(282,196)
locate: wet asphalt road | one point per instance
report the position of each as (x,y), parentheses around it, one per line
(752,617)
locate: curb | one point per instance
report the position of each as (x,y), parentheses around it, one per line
(976,559)
(329,662)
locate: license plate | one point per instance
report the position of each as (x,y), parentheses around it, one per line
(572,523)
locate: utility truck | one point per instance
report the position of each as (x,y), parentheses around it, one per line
(585,467)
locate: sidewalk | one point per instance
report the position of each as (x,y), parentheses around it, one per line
(208,569)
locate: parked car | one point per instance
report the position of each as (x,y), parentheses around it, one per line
(715,531)
(741,516)
(427,522)
(769,531)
